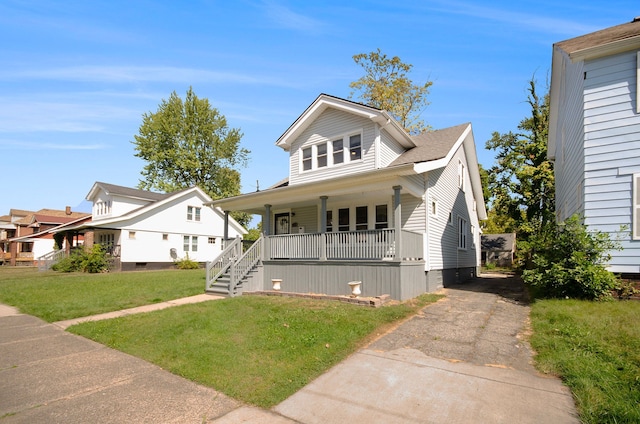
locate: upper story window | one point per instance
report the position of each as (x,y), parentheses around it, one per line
(335,152)
(193,213)
(338,151)
(103,208)
(355,147)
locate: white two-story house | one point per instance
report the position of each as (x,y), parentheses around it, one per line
(594,135)
(147,230)
(364,201)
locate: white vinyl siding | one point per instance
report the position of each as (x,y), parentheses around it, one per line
(636,207)
(569,162)
(390,149)
(612,152)
(455,203)
(328,127)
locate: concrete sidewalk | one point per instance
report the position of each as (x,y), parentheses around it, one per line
(461,360)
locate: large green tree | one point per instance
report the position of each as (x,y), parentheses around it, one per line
(521,182)
(188,143)
(386,85)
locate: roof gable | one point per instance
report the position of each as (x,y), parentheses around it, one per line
(324,101)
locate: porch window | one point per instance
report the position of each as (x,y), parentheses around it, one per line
(462,233)
(362,218)
(321,155)
(343,219)
(329,221)
(382,217)
(306,159)
(355,147)
(106,240)
(26,247)
(193,213)
(338,151)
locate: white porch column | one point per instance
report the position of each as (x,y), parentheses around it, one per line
(323,228)
(397,221)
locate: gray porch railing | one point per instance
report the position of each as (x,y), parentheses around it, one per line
(223,262)
(347,245)
(47,260)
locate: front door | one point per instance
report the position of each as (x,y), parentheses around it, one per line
(282,223)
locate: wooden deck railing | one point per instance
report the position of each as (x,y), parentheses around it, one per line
(347,245)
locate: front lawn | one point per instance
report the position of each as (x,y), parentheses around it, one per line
(595,348)
(256,349)
(55,296)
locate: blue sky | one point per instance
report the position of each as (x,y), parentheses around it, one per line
(77,76)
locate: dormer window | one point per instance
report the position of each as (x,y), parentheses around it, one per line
(338,151)
(306,159)
(347,148)
(322,155)
(355,147)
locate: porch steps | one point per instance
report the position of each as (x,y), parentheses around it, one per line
(222,286)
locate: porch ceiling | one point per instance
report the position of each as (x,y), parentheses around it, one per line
(378,183)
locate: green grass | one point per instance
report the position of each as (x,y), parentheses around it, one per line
(259,350)
(595,348)
(55,296)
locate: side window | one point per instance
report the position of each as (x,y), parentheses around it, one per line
(382,217)
(462,233)
(338,151)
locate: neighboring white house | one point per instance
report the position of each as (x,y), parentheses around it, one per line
(594,135)
(148,230)
(364,201)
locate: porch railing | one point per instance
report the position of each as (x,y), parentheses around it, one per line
(242,267)
(347,245)
(47,260)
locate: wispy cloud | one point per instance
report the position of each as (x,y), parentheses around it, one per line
(29,145)
(137,74)
(529,21)
(287,18)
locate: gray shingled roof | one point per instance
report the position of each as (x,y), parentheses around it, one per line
(133,192)
(431,145)
(599,38)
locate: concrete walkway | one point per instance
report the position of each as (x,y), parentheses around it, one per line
(461,360)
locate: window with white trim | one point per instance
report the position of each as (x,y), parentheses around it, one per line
(462,233)
(434,208)
(362,218)
(460,175)
(190,243)
(635,219)
(347,148)
(382,217)
(193,213)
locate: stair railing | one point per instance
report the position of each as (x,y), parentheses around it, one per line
(223,262)
(241,267)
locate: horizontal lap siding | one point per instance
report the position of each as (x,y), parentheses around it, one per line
(329,125)
(612,152)
(389,149)
(306,218)
(401,281)
(569,164)
(443,237)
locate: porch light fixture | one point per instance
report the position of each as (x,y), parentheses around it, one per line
(355,288)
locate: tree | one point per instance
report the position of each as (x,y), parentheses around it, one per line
(188,143)
(522,182)
(386,85)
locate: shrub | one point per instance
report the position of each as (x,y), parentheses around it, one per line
(186,263)
(85,260)
(571,263)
